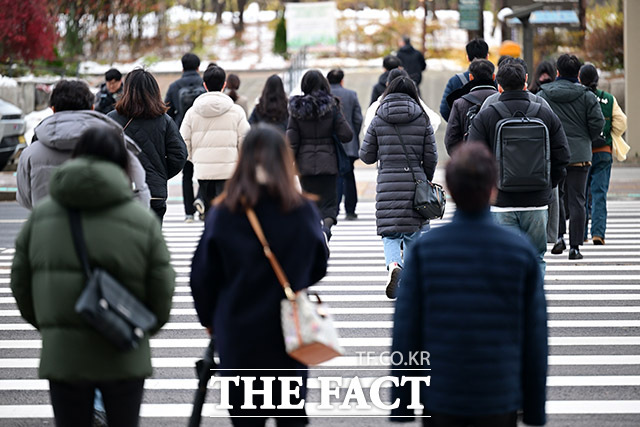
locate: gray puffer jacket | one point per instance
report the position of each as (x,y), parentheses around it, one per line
(54,140)
(395,186)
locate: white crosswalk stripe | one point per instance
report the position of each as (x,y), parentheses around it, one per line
(593,308)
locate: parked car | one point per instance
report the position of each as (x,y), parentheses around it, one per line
(12,128)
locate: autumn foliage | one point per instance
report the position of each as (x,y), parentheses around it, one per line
(27,31)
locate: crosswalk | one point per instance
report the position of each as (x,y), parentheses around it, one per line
(593,305)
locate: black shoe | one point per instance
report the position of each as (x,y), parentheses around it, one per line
(394,278)
(575,254)
(351,217)
(559,247)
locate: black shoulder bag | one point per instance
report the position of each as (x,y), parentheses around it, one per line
(107,305)
(429,198)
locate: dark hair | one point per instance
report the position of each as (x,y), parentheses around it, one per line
(273,101)
(522,63)
(403,85)
(502,59)
(141,96)
(71,95)
(395,73)
(264,152)
(212,64)
(314,81)
(481,69)
(233,84)
(190,62)
(589,76)
(477,48)
(406,39)
(471,176)
(545,67)
(511,76)
(113,74)
(214,77)
(569,66)
(335,76)
(104,143)
(390,62)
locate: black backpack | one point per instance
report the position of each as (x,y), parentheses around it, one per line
(522,150)
(186,96)
(471,113)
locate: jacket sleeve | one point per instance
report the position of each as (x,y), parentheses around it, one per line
(429,153)
(293,135)
(560,152)
(369,149)
(455,133)
(138,176)
(618,119)
(341,127)
(445,110)
(23,180)
(479,131)
(185,132)
(368,118)
(170,101)
(175,148)
(160,277)
(535,346)
(243,129)
(321,253)
(21,275)
(595,119)
(356,116)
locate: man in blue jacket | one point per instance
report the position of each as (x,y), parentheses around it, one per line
(472,296)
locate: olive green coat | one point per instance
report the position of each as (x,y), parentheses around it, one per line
(47,278)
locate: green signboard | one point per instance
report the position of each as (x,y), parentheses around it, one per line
(469,14)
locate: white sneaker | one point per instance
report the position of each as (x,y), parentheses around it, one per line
(188,219)
(394,278)
(199,205)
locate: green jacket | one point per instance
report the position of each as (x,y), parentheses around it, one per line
(46,277)
(580,115)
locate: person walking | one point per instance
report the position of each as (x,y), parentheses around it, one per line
(110,91)
(545,73)
(142,114)
(180,97)
(242,309)
(47,278)
(213,130)
(353,114)
(582,120)
(231,89)
(389,62)
(272,107)
(600,171)
(315,121)
(472,296)
(399,137)
(412,60)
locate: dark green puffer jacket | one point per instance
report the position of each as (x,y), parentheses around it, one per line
(47,278)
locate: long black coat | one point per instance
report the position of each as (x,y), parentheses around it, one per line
(395,187)
(352,113)
(164,152)
(313,119)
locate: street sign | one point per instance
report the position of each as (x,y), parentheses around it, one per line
(469,14)
(311,24)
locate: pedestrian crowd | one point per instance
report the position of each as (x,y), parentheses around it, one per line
(527,155)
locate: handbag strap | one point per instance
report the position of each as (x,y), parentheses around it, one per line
(282,277)
(127,125)
(78,240)
(404,149)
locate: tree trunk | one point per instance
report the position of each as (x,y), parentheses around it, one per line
(219,8)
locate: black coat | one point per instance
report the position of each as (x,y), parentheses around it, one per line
(313,120)
(105,100)
(164,152)
(395,185)
(256,118)
(379,88)
(352,113)
(189,78)
(456,127)
(413,62)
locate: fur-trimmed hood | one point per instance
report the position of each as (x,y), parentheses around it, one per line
(312,106)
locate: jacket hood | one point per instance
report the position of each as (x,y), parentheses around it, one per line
(61,131)
(563,91)
(397,108)
(312,106)
(86,183)
(212,104)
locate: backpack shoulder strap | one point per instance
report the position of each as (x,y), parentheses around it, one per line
(462,78)
(502,110)
(472,99)
(533,110)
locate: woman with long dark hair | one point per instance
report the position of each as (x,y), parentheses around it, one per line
(143,115)
(400,137)
(272,106)
(315,121)
(240,306)
(545,73)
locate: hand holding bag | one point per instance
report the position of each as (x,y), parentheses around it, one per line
(309,334)
(107,305)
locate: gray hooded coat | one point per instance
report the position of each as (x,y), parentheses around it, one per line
(395,185)
(54,141)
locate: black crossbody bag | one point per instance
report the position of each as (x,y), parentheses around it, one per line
(107,305)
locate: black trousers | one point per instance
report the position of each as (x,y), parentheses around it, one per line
(209,190)
(187,189)
(159,207)
(323,186)
(347,185)
(444,420)
(571,195)
(73,402)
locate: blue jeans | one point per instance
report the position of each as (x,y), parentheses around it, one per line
(531,223)
(598,182)
(392,244)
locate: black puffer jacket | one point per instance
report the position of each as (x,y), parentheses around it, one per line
(164,152)
(396,187)
(313,119)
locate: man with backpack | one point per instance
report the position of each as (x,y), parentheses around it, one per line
(531,151)
(180,97)
(465,109)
